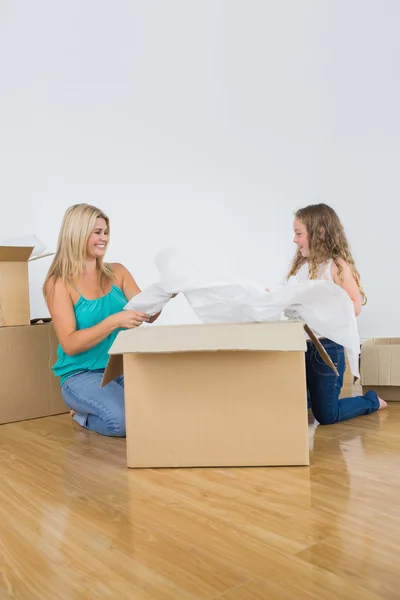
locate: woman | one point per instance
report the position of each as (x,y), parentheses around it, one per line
(85,297)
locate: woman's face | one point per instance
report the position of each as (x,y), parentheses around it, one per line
(98,240)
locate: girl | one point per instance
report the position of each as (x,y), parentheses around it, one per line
(85,297)
(323,253)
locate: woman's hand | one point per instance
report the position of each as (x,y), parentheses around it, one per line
(128,319)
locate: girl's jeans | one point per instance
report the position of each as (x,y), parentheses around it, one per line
(324,387)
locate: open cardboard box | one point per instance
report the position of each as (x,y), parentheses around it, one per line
(14,284)
(380,367)
(214,395)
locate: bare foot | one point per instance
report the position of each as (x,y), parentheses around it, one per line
(382,404)
(72,413)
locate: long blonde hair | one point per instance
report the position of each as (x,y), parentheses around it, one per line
(77,225)
(326,240)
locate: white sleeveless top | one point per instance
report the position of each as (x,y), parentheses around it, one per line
(324,271)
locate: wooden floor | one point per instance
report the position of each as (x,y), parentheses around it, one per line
(77,524)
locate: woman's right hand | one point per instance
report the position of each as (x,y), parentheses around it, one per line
(128,319)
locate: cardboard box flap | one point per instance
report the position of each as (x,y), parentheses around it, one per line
(271,336)
(321,350)
(115,368)
(382,342)
(380,362)
(39,256)
(15,253)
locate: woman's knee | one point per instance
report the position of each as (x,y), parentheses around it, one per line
(116,424)
(113,410)
(105,421)
(120,432)
(102,409)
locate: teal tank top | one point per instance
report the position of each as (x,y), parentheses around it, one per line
(87,314)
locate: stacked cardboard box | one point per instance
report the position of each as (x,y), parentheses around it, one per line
(380,367)
(28,387)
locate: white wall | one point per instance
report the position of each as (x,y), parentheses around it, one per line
(204,125)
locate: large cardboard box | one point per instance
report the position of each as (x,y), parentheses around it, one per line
(28,387)
(380,367)
(214,395)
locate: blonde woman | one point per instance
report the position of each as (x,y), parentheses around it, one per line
(85,297)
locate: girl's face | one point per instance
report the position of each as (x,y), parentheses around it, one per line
(98,240)
(301,237)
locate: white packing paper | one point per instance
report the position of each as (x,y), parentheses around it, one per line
(323,305)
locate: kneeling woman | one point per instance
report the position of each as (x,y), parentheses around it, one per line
(85,297)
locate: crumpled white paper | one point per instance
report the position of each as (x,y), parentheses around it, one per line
(323,305)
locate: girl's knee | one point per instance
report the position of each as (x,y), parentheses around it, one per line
(326,419)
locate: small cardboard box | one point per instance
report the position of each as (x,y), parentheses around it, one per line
(14,284)
(213,395)
(28,387)
(380,367)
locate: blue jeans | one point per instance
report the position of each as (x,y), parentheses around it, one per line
(98,409)
(324,387)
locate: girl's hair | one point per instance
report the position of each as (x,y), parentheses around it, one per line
(77,225)
(326,240)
